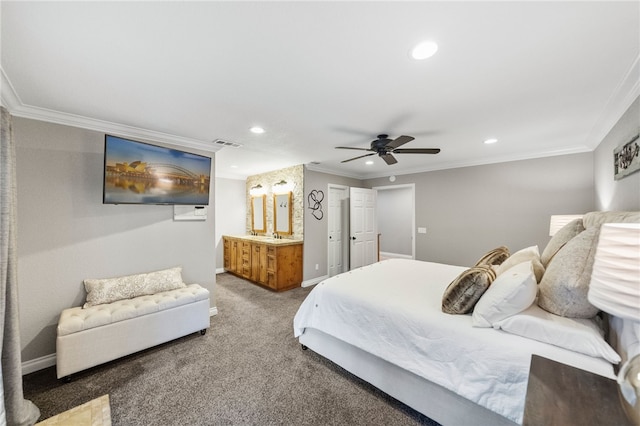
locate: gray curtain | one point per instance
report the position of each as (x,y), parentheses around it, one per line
(18,411)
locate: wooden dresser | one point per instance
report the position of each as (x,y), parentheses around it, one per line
(270,262)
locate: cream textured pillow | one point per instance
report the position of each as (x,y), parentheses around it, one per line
(494,257)
(527,254)
(109,290)
(565,284)
(464,292)
(512,292)
(578,335)
(561,238)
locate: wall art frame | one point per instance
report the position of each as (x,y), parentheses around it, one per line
(626,158)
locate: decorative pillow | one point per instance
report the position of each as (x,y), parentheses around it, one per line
(512,292)
(464,292)
(596,219)
(527,254)
(494,257)
(578,335)
(561,238)
(109,290)
(565,284)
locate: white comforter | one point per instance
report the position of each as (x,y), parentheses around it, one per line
(392,309)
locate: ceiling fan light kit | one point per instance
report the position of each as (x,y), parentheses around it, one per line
(385,147)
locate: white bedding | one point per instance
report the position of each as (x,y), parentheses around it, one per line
(392,309)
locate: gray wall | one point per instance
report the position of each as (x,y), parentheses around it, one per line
(623,194)
(468,211)
(316,231)
(66,234)
(231,210)
(394,213)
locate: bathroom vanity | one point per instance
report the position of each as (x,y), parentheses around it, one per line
(271,262)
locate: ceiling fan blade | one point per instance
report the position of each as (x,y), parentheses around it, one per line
(416,151)
(399,141)
(389,159)
(350,147)
(355,158)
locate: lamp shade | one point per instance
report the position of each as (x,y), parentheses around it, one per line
(615,280)
(558,221)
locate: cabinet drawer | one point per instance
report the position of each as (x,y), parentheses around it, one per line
(271,279)
(271,263)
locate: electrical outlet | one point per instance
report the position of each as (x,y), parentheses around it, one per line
(317,266)
(422,230)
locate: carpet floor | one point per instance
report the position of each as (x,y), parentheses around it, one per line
(247,370)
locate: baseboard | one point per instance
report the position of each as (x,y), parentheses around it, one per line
(387,255)
(38,364)
(220,271)
(213,311)
(313,281)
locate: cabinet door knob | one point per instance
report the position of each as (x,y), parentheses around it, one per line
(353,238)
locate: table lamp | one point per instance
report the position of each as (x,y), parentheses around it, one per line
(615,288)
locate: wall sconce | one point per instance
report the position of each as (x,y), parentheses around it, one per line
(257,190)
(558,221)
(282,187)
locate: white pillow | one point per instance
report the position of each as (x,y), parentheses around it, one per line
(575,334)
(511,292)
(530,253)
(107,290)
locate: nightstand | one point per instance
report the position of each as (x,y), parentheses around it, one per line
(558,394)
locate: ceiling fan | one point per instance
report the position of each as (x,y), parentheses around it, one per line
(384,147)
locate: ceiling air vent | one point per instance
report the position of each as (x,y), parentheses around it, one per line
(222,143)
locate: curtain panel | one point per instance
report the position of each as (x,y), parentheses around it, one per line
(17,410)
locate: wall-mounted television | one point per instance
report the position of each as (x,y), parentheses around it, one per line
(141,173)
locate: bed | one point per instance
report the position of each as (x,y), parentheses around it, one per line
(385,323)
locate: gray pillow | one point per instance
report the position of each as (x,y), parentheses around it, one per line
(464,292)
(565,284)
(596,219)
(561,238)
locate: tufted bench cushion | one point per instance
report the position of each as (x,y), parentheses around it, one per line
(91,336)
(77,319)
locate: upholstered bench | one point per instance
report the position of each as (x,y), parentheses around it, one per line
(100,332)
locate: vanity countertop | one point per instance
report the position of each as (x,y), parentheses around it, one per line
(267,240)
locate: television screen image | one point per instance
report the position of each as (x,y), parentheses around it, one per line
(141,173)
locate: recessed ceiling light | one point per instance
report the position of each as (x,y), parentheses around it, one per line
(257,129)
(490,141)
(424,50)
(369,162)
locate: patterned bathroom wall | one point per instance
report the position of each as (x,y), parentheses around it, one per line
(292,175)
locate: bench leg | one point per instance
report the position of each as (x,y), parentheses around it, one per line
(203,331)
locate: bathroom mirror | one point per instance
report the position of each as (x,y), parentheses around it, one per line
(282,213)
(258,213)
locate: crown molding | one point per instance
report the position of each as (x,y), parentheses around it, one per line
(620,100)
(17,108)
(484,162)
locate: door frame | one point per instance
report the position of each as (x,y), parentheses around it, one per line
(345,232)
(411,186)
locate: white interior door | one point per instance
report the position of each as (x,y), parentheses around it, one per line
(363,234)
(337,215)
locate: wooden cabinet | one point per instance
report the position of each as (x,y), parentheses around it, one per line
(276,264)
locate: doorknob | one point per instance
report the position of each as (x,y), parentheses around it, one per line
(353,238)
(330,237)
